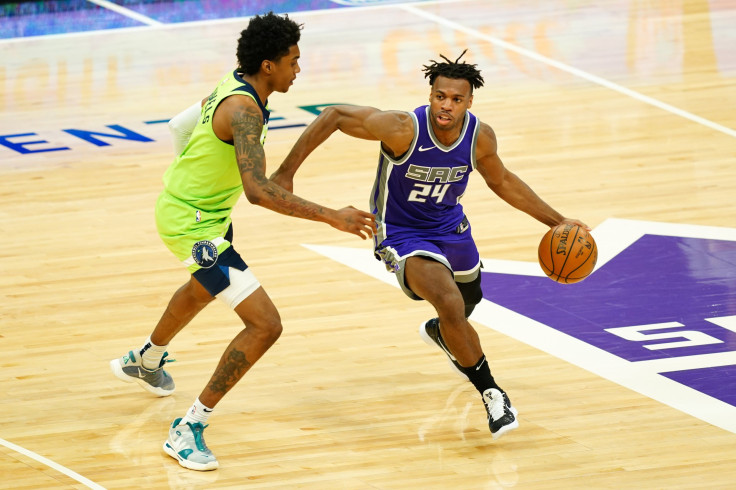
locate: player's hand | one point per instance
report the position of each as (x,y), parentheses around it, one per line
(355,221)
(576,222)
(282,179)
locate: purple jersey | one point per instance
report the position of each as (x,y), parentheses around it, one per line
(418,194)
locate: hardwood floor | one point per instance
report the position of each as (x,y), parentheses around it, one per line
(350,397)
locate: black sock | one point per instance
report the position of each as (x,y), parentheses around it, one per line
(480,375)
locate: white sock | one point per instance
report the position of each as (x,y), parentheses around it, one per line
(197,413)
(151,354)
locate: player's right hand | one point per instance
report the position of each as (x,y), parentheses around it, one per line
(355,221)
(577,222)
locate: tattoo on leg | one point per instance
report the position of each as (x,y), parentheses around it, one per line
(230,372)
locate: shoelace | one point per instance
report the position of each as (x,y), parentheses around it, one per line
(496,406)
(197,432)
(164,360)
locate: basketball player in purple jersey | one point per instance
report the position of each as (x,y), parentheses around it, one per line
(423,235)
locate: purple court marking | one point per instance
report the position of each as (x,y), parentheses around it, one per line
(718,382)
(656,280)
(650,275)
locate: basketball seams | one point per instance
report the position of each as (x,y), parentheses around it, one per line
(551,252)
(569,253)
(581,253)
(580,278)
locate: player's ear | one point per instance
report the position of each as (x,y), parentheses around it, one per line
(470,101)
(267,66)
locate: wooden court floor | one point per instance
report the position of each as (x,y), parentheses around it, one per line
(613,109)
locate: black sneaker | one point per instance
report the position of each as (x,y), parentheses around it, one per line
(501,415)
(430,333)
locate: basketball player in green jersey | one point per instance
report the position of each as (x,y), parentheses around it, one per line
(223,158)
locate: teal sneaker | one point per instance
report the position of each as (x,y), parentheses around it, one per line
(186,445)
(129,368)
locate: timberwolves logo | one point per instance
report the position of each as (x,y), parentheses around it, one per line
(204,253)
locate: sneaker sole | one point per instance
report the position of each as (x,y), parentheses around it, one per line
(117,370)
(212,465)
(428,340)
(506,428)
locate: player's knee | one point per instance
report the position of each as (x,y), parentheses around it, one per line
(275,329)
(269,330)
(448,303)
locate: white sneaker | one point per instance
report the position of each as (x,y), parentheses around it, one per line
(186,445)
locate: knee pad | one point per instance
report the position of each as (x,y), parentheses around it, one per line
(242,285)
(472,294)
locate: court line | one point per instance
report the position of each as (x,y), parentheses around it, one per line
(61,469)
(642,376)
(573,71)
(685,363)
(126,12)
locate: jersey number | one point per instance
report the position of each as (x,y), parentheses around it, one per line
(422,191)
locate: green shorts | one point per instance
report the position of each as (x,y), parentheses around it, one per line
(184,229)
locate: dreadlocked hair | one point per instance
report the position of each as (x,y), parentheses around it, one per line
(454,69)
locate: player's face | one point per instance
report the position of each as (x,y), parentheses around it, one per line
(449,99)
(283,71)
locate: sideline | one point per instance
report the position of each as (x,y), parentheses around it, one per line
(61,469)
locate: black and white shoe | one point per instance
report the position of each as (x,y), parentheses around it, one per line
(502,417)
(430,333)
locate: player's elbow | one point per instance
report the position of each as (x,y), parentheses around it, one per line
(331,116)
(328,112)
(254,193)
(254,196)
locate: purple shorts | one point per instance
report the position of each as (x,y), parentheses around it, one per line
(457,252)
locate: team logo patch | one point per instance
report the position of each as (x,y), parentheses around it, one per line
(204,253)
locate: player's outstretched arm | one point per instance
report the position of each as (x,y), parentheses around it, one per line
(393,128)
(245,122)
(509,187)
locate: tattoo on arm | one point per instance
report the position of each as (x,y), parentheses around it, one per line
(234,367)
(247,125)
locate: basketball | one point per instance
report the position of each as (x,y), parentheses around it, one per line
(567,253)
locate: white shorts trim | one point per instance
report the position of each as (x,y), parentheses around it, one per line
(242,285)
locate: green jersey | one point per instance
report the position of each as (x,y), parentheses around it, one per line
(203,184)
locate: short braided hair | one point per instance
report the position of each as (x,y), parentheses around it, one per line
(454,69)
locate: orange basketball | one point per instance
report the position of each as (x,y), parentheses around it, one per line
(567,253)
